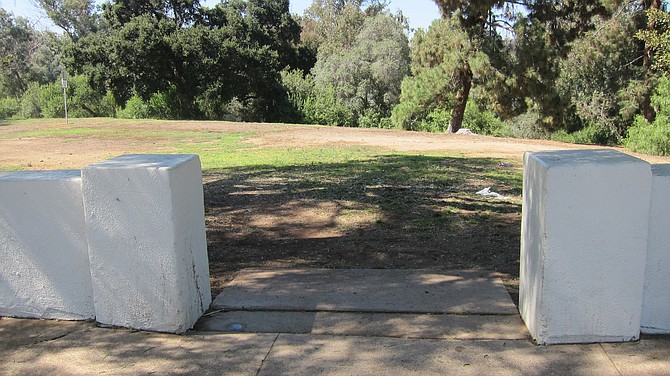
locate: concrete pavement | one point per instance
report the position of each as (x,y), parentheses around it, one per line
(316,322)
(67,348)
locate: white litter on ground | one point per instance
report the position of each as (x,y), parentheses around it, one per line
(489,193)
(465,131)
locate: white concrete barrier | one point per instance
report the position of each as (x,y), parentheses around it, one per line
(656,303)
(147,246)
(584,238)
(44,271)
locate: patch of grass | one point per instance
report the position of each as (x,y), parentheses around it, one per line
(419,194)
(14,168)
(232,152)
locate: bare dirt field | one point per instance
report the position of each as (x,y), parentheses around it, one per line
(413,206)
(58,153)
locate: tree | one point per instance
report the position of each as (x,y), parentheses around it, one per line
(26,55)
(179,12)
(657,39)
(337,21)
(598,75)
(445,60)
(76,17)
(206,58)
(366,76)
(479,21)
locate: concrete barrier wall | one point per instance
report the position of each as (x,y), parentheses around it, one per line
(139,219)
(584,243)
(45,269)
(146,235)
(656,303)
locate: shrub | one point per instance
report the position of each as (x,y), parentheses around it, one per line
(481,121)
(9,107)
(31,102)
(653,138)
(51,96)
(436,121)
(590,135)
(372,119)
(525,125)
(324,108)
(135,108)
(163,105)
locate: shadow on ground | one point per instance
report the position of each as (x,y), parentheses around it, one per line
(392,211)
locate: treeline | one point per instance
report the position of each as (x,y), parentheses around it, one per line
(582,71)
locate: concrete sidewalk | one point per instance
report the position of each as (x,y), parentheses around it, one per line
(76,348)
(330,322)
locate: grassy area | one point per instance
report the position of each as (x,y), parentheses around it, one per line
(426,193)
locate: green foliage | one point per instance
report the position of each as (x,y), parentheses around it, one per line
(324,107)
(75,17)
(372,119)
(135,108)
(590,135)
(435,121)
(51,98)
(196,58)
(658,38)
(9,107)
(481,121)
(300,88)
(25,55)
(595,78)
(31,102)
(163,105)
(653,138)
(366,64)
(83,101)
(525,125)
(439,57)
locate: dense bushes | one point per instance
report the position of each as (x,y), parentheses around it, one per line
(46,101)
(9,107)
(653,138)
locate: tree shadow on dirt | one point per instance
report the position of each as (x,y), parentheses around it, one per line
(394,211)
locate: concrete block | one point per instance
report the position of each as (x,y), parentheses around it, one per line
(44,271)
(147,245)
(656,303)
(585,223)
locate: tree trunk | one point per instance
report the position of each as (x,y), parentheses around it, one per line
(465,83)
(647,110)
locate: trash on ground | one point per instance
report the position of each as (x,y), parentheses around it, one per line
(489,193)
(503,164)
(465,131)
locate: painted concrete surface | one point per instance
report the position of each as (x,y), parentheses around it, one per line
(656,303)
(369,290)
(45,267)
(463,327)
(582,258)
(147,246)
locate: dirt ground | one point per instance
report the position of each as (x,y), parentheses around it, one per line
(259,220)
(54,153)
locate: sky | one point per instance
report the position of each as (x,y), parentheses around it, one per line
(419,12)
